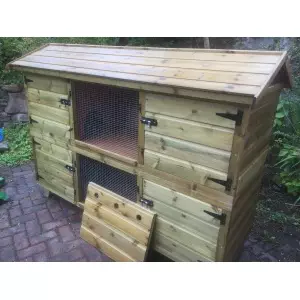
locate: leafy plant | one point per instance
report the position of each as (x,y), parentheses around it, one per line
(20,148)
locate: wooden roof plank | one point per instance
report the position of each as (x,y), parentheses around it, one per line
(241,67)
(194,55)
(198,75)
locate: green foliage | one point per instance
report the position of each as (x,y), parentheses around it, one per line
(20,148)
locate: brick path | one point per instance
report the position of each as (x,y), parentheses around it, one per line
(36,228)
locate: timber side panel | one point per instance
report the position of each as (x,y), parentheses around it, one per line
(111,220)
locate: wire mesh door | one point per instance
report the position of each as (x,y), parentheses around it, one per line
(107,117)
(113,179)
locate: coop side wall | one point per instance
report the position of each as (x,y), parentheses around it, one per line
(253,150)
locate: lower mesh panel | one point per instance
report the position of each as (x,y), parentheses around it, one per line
(115,180)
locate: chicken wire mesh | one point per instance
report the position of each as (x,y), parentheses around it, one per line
(107,117)
(115,180)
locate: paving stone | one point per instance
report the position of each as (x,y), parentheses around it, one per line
(41,200)
(92,253)
(33,228)
(15,212)
(30,251)
(53,225)
(66,233)
(53,205)
(12,230)
(58,215)
(10,191)
(41,257)
(267,258)
(4,224)
(45,236)
(21,240)
(257,250)
(35,208)
(44,216)
(23,219)
(7,254)
(6,241)
(69,256)
(57,247)
(82,259)
(27,259)
(26,202)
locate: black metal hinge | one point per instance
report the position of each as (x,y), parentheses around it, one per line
(69,168)
(148,121)
(32,121)
(27,80)
(238,117)
(227,183)
(66,102)
(221,217)
(146,202)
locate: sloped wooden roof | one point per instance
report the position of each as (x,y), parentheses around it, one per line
(245,73)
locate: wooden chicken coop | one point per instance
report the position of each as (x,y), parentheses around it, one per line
(180,134)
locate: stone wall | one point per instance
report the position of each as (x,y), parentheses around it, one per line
(13,104)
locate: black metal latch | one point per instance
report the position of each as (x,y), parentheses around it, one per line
(238,117)
(227,183)
(221,217)
(66,102)
(146,202)
(149,122)
(69,168)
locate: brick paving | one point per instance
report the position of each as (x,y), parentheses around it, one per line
(34,227)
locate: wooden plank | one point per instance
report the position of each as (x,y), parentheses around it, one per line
(120,205)
(50,131)
(54,150)
(206,230)
(194,153)
(138,66)
(66,177)
(165,89)
(50,113)
(114,237)
(114,219)
(204,134)
(47,98)
(99,150)
(190,109)
(175,250)
(252,172)
(184,169)
(218,55)
(182,202)
(104,246)
(48,159)
(186,237)
(46,83)
(239,89)
(66,193)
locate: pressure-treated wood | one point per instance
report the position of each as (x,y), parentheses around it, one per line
(199,165)
(120,228)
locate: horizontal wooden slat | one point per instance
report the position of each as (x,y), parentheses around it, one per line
(46,83)
(142,67)
(54,150)
(50,113)
(50,131)
(208,231)
(47,98)
(180,201)
(185,237)
(114,236)
(66,177)
(120,205)
(240,89)
(104,246)
(116,220)
(208,135)
(194,153)
(190,109)
(184,169)
(50,184)
(194,54)
(48,159)
(175,250)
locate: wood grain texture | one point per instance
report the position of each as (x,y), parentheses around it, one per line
(229,72)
